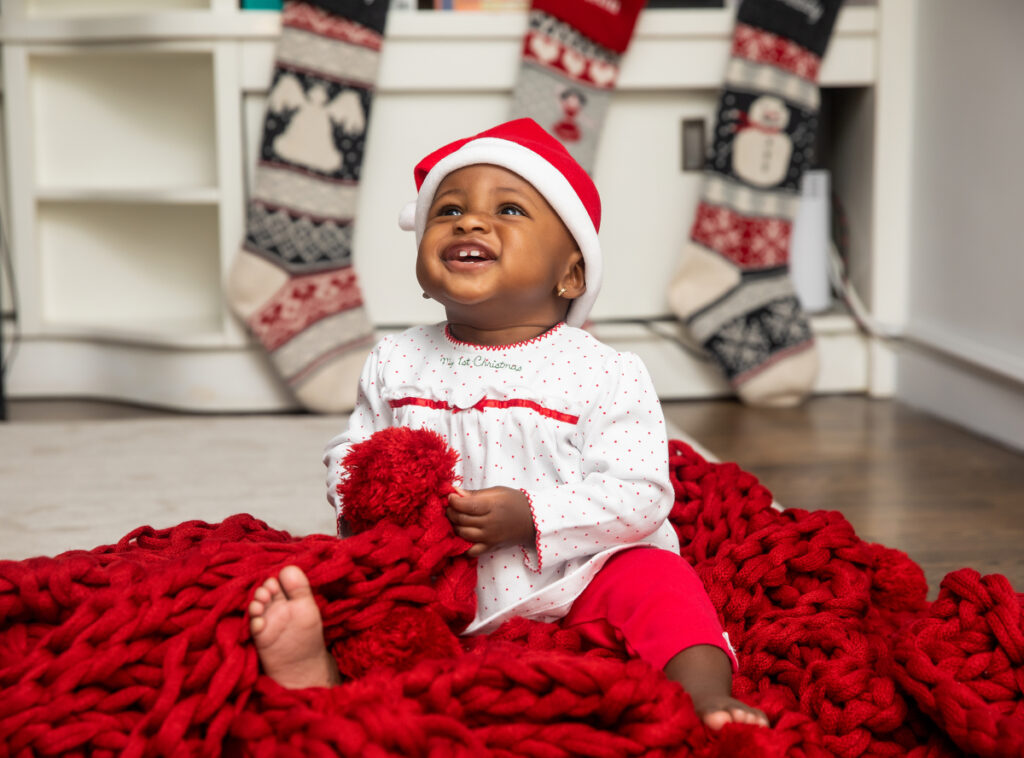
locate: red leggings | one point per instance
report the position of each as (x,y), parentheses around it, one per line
(652,601)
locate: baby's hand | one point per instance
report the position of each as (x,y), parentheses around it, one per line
(490,517)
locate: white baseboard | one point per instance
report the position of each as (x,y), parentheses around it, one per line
(240,379)
(988,403)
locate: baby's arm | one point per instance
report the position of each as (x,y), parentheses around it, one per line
(625,494)
(370,414)
(491,517)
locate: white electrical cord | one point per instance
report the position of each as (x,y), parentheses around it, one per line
(10,310)
(845,289)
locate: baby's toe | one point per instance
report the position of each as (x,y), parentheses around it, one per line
(292,581)
(271,586)
(717,719)
(749,716)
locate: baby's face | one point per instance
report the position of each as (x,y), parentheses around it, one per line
(493,252)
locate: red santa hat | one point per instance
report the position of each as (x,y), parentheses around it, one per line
(523,147)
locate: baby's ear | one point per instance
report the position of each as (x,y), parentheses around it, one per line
(575,278)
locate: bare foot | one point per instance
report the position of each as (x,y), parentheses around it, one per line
(716,712)
(289,633)
(705,672)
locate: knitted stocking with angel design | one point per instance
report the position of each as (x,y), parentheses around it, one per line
(293,283)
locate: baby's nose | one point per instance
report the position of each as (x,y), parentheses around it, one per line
(471,220)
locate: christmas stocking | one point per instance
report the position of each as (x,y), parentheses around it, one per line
(571,58)
(733,289)
(292,282)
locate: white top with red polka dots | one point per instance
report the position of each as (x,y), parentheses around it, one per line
(573,423)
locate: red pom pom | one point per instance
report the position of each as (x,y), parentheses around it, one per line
(399,475)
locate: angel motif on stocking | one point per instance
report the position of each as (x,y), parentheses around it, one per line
(308,140)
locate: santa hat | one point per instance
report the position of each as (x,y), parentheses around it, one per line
(523,147)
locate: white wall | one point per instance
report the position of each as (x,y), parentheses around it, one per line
(967,259)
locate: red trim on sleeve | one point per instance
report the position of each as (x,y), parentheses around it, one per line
(536,533)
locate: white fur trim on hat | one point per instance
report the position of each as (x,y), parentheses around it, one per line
(545,178)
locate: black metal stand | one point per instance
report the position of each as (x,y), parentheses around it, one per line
(3,394)
(3,357)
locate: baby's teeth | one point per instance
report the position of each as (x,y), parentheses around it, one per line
(463,253)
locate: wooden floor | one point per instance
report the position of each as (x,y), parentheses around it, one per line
(946,497)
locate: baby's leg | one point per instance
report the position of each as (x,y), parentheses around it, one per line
(705,672)
(656,602)
(288,631)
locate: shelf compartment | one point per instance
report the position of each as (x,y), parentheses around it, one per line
(126,270)
(51,8)
(160,195)
(123,119)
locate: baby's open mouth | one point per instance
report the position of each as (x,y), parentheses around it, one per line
(468,254)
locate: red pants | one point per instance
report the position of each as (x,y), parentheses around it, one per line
(652,601)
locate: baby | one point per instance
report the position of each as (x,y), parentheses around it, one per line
(562,444)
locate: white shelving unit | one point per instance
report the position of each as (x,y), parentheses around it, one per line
(124,182)
(75,9)
(128,134)
(126,199)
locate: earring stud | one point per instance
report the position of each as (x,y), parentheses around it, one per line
(561,291)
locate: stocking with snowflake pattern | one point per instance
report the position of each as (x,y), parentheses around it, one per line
(292,282)
(733,289)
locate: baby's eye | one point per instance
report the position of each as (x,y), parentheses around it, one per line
(449,210)
(511,210)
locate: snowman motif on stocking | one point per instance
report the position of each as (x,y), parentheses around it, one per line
(762,148)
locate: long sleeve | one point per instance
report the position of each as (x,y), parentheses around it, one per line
(371,413)
(625,494)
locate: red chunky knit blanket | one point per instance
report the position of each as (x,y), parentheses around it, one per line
(142,648)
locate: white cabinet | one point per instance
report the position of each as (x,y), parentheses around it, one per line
(120,181)
(129,136)
(126,204)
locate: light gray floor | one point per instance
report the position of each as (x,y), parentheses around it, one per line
(68,485)
(80,484)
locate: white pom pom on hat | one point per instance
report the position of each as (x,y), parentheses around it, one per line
(525,148)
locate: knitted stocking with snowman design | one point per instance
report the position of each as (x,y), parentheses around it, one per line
(733,289)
